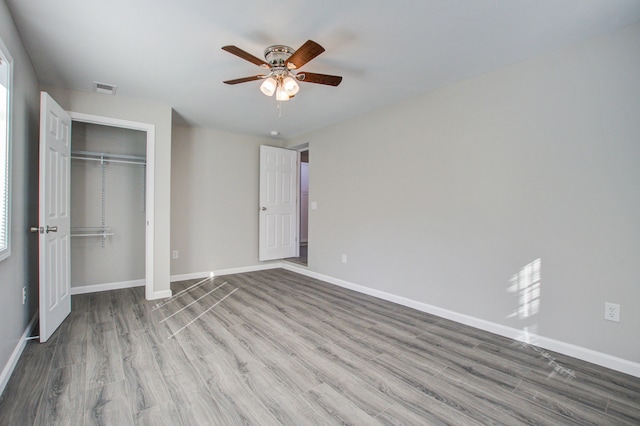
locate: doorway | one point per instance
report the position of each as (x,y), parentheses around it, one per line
(108,206)
(303,213)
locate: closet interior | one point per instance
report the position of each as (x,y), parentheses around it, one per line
(108,166)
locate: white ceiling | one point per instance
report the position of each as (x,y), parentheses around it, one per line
(169,51)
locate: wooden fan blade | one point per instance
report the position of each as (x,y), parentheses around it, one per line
(246,56)
(307,52)
(244,79)
(329,80)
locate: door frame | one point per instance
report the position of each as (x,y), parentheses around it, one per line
(300,148)
(300,221)
(150,130)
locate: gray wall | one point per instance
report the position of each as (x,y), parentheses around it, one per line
(141,111)
(214,200)
(21,269)
(122,256)
(443,198)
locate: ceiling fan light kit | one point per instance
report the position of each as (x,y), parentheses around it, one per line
(268,86)
(290,86)
(281,94)
(281,61)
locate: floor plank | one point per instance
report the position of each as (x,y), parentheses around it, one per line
(21,399)
(107,405)
(63,396)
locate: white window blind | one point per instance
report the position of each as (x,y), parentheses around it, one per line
(5,87)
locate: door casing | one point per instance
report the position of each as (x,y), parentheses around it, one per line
(150,130)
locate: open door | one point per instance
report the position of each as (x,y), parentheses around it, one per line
(278,216)
(54,219)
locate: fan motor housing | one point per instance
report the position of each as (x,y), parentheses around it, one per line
(278,54)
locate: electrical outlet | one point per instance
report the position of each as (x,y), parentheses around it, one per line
(344,258)
(612,312)
(175,254)
(24,295)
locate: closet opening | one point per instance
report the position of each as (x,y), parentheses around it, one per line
(111,204)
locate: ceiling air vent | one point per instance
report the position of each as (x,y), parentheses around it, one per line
(107,89)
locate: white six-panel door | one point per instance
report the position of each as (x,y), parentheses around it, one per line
(278,205)
(54,219)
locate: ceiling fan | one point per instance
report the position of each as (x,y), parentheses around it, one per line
(283,64)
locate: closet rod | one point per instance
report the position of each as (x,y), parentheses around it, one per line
(99,154)
(108,160)
(102,156)
(91,228)
(92,231)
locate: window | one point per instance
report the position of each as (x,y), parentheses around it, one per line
(5,108)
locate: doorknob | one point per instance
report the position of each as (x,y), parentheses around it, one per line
(264,208)
(36,229)
(52,229)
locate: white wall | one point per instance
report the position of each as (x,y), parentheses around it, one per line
(121,256)
(21,269)
(214,200)
(441,199)
(141,111)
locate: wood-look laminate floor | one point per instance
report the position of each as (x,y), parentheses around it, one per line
(274,347)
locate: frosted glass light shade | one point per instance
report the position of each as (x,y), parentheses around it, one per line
(290,86)
(268,86)
(281,94)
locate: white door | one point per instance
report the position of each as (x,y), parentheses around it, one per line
(55,147)
(278,215)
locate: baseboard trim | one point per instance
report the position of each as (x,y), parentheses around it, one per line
(192,276)
(94,288)
(15,355)
(589,355)
(244,269)
(228,271)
